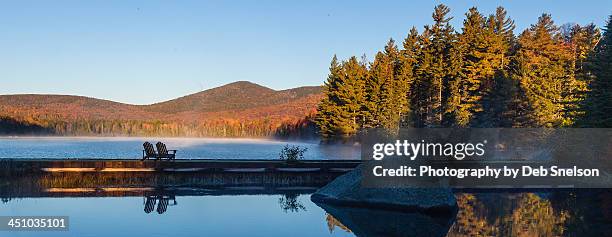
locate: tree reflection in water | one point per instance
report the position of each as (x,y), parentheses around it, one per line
(289,203)
(5,199)
(332,223)
(557,213)
(522,214)
(162,202)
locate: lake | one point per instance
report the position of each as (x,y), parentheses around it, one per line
(110,204)
(239,215)
(188,148)
(558,213)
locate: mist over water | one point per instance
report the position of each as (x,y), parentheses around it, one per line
(188,148)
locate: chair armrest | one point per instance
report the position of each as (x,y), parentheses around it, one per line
(173,151)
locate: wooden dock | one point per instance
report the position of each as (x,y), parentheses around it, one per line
(179,165)
(110,177)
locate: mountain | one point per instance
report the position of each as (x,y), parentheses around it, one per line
(237,109)
(234,96)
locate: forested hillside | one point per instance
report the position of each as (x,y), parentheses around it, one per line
(239,109)
(482,75)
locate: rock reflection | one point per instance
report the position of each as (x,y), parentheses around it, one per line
(378,222)
(553,213)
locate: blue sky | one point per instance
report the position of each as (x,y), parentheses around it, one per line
(143,52)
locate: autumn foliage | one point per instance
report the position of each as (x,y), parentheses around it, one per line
(239,109)
(482,75)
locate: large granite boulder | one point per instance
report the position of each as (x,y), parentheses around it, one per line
(347,190)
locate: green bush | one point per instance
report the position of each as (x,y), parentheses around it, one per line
(292,153)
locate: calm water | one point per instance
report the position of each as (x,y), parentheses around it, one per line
(177,210)
(582,213)
(242,215)
(210,148)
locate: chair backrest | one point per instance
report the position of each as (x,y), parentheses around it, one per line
(149,150)
(161,148)
(150,204)
(162,206)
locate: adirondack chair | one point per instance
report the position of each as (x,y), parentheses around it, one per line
(162,201)
(163,152)
(149,151)
(150,204)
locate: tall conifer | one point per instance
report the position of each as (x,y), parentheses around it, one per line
(435,69)
(541,71)
(327,109)
(479,47)
(409,57)
(497,102)
(598,102)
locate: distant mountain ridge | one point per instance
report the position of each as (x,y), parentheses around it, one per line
(234,96)
(242,103)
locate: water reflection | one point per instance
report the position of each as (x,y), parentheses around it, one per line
(380,222)
(491,213)
(162,201)
(550,213)
(521,214)
(333,224)
(289,203)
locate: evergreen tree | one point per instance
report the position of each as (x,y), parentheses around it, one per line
(497,102)
(373,87)
(435,67)
(351,96)
(386,98)
(327,110)
(340,113)
(420,92)
(582,42)
(482,77)
(479,48)
(598,102)
(541,70)
(503,28)
(409,57)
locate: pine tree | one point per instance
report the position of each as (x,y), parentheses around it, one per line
(503,27)
(374,83)
(435,67)
(420,92)
(383,99)
(482,77)
(582,42)
(327,110)
(340,113)
(497,102)
(479,48)
(396,89)
(598,101)
(409,58)
(541,70)
(351,96)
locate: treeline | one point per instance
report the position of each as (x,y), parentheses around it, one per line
(265,127)
(483,76)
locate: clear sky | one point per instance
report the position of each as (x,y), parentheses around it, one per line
(143,52)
